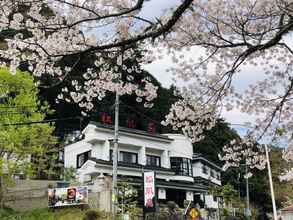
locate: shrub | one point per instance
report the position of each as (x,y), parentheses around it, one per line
(172,206)
(91,215)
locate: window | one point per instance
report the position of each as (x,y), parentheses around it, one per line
(204,169)
(126,157)
(154,161)
(214,198)
(181,166)
(82,158)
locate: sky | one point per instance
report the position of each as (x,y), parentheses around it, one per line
(158,68)
(236,118)
(154,9)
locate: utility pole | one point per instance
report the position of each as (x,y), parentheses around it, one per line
(115,157)
(271,183)
(247,192)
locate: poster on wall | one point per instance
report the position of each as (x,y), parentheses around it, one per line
(149,190)
(58,197)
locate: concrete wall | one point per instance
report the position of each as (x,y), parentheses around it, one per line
(32,194)
(28,194)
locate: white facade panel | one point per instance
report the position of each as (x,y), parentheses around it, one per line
(211,202)
(181,146)
(161,193)
(204,171)
(189,196)
(71,151)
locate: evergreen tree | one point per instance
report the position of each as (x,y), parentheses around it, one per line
(25,143)
(215,139)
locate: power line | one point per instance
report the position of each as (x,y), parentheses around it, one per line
(19,106)
(40,122)
(18,113)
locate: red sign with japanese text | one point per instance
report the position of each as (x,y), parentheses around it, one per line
(106,118)
(149,189)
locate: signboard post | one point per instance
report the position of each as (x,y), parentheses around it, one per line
(149,185)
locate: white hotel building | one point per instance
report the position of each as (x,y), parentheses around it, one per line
(180,174)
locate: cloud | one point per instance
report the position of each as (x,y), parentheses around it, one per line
(155,9)
(236,117)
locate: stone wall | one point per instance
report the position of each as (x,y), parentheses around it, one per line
(28,194)
(32,194)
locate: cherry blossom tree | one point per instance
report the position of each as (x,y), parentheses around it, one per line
(287,175)
(232,34)
(47,32)
(244,152)
(235,34)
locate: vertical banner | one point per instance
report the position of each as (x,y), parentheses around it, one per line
(149,191)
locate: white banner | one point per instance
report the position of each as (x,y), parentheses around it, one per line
(161,193)
(149,189)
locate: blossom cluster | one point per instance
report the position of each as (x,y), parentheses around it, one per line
(111,74)
(244,152)
(49,32)
(192,118)
(233,36)
(287,155)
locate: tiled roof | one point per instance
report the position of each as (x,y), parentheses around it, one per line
(174,184)
(131,165)
(131,131)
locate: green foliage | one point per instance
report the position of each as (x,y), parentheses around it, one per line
(220,135)
(59,214)
(259,189)
(127,197)
(225,212)
(25,147)
(33,215)
(92,215)
(227,192)
(283,190)
(69,174)
(172,206)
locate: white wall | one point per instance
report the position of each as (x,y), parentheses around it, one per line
(72,150)
(210,202)
(198,172)
(98,140)
(181,146)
